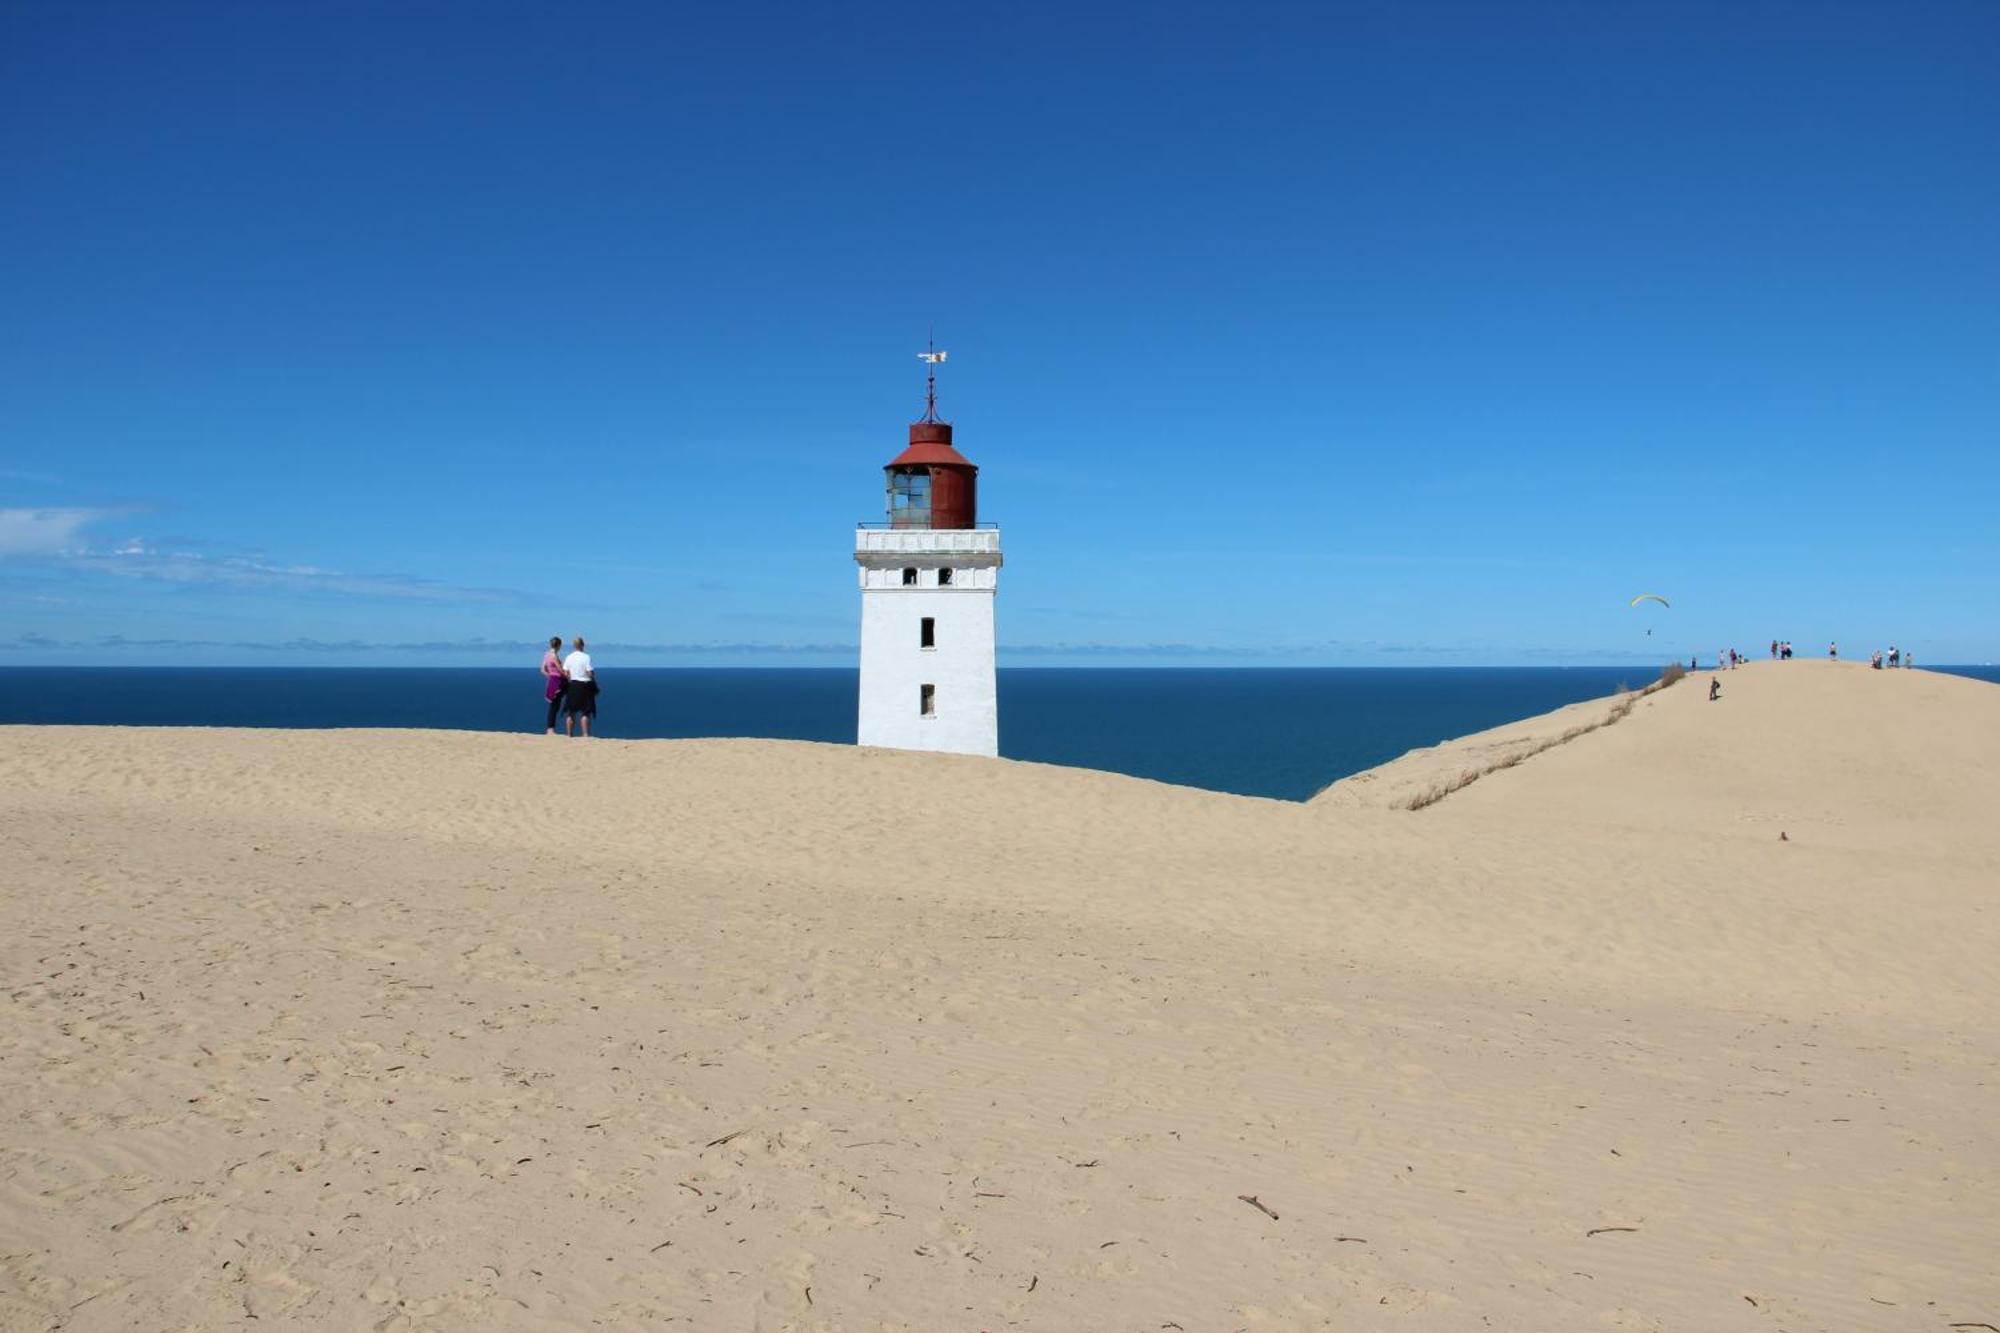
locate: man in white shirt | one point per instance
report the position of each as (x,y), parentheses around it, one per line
(580,695)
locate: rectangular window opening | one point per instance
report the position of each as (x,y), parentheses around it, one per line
(944,578)
(910,500)
(909,578)
(927,700)
(927,632)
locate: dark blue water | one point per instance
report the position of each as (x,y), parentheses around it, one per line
(1262,732)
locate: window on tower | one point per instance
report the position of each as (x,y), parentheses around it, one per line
(909,578)
(927,700)
(909,499)
(944,578)
(927,632)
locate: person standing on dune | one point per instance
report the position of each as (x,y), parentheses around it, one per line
(580,695)
(552,683)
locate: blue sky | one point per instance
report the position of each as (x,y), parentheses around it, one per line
(1294,334)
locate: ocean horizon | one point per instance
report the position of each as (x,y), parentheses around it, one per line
(1279,732)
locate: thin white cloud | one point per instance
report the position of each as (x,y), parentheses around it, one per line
(46,532)
(58,536)
(528,645)
(139,560)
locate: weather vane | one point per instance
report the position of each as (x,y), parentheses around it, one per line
(931,358)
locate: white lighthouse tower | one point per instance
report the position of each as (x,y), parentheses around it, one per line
(928,578)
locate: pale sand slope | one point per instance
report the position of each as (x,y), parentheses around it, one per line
(1419,777)
(426,1030)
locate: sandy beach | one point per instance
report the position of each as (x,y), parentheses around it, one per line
(1686,1022)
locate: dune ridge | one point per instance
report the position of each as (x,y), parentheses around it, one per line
(413,1030)
(1427,775)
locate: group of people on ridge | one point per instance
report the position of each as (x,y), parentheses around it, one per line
(570,686)
(1781,651)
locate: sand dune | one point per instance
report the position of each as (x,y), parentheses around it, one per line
(409,1030)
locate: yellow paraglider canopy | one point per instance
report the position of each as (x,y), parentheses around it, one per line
(1652,597)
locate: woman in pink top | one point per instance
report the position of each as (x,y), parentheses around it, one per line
(552,683)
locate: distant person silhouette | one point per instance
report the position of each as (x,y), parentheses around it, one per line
(1714,689)
(552,683)
(580,695)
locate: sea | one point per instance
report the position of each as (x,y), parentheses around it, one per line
(1266,731)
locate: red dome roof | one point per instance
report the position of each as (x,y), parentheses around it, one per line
(928,452)
(930,445)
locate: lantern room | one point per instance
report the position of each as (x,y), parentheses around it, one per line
(931,484)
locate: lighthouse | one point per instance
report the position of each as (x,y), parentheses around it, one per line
(928,577)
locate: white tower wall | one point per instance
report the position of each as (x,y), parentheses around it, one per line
(959,666)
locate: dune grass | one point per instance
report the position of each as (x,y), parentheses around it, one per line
(1621,707)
